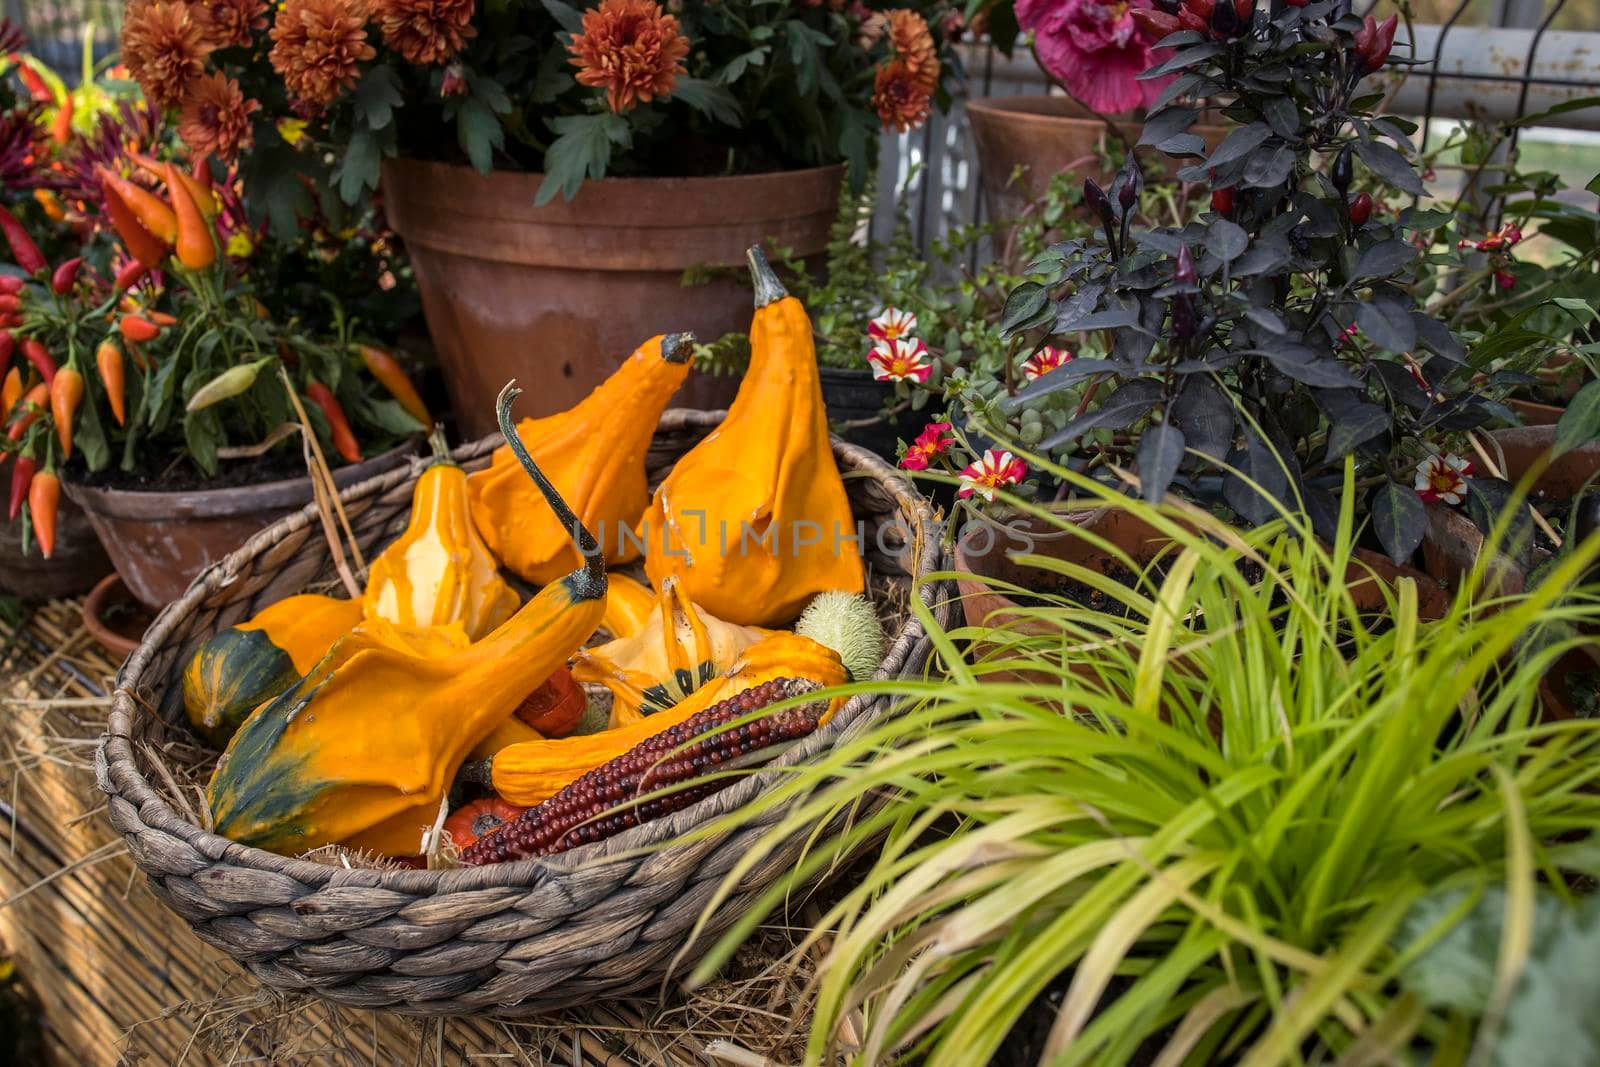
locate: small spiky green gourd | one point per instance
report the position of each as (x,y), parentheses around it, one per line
(846,623)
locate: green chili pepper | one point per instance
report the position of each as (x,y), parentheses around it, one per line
(230,383)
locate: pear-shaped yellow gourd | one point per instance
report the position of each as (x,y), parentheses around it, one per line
(677,651)
(439,570)
(594,455)
(363,749)
(754,520)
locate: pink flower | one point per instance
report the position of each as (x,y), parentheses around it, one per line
(1095,50)
(995,469)
(892,325)
(897,361)
(1044,361)
(934,440)
(1443,478)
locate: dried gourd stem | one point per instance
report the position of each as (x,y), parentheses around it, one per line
(1495,472)
(317,469)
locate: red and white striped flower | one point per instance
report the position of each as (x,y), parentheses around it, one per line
(1443,478)
(1044,361)
(995,469)
(900,360)
(892,325)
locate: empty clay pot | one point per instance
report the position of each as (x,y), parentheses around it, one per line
(558,296)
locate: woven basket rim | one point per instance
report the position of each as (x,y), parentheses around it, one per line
(118,773)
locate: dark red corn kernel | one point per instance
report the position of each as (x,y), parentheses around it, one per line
(582,813)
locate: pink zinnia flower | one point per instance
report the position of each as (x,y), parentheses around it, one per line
(934,440)
(897,361)
(1095,50)
(1443,478)
(1044,361)
(892,325)
(996,468)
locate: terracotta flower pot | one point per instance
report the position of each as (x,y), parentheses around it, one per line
(160,541)
(77,564)
(1047,135)
(1453,542)
(558,296)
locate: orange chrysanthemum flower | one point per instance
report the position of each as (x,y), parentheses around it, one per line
(901,96)
(426,32)
(164,47)
(215,118)
(912,44)
(230,23)
(631,49)
(318,46)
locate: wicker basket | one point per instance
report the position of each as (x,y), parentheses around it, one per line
(512,939)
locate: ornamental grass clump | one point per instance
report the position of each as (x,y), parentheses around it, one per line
(1202,823)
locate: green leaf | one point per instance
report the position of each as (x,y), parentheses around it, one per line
(491,92)
(1594,185)
(710,99)
(360,167)
(202,432)
(479,132)
(736,66)
(1024,306)
(390,417)
(1580,423)
(1581,103)
(554,77)
(89,436)
(566,16)
(376,97)
(582,149)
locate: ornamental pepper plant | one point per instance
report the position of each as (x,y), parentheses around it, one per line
(311,95)
(1254,347)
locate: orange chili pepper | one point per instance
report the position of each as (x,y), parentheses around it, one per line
(61,127)
(108,361)
(197,248)
(134,328)
(10,392)
(32,404)
(66,393)
(51,203)
(153,213)
(204,198)
(343,440)
(161,318)
(142,245)
(387,370)
(44,499)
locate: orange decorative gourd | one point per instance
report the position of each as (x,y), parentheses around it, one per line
(439,570)
(754,521)
(594,455)
(676,652)
(529,773)
(629,605)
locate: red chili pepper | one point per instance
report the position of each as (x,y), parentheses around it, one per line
(1374,40)
(66,276)
(8,344)
(129,276)
(138,329)
(44,499)
(1361,209)
(343,440)
(35,84)
(21,478)
(23,250)
(1222,201)
(1155,24)
(10,283)
(40,358)
(9,302)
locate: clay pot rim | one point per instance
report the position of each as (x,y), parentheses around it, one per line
(187,504)
(94,603)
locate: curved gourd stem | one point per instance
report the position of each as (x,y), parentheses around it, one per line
(768,288)
(677,347)
(440,446)
(589,581)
